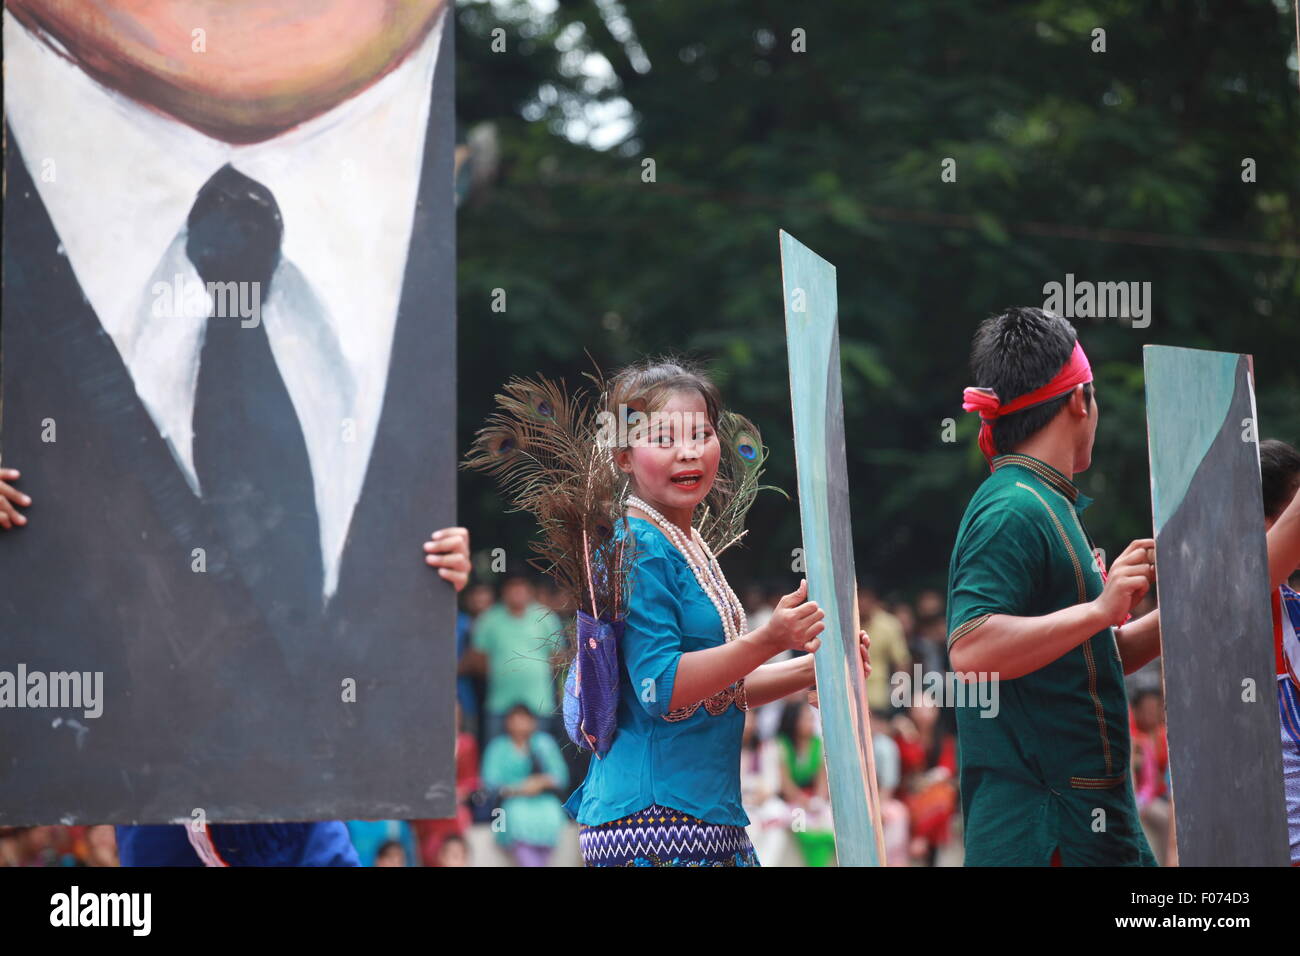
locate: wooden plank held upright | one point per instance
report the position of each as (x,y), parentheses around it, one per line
(1216,633)
(812,339)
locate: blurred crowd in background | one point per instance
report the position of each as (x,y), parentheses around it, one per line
(1117,166)
(514,765)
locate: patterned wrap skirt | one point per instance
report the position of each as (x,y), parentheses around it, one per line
(662,836)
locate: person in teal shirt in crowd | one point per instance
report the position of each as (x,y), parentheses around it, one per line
(525,767)
(369,837)
(519,637)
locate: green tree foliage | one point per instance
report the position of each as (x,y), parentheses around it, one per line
(1123,165)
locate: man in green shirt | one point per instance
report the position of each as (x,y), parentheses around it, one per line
(1045,777)
(519,637)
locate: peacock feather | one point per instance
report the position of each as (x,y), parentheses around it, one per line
(722,522)
(542,446)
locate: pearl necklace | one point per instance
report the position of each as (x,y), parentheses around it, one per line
(700,560)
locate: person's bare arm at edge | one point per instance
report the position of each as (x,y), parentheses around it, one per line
(1284,545)
(1015,646)
(1139,641)
(783,678)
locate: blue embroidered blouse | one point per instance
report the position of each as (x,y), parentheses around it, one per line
(692,765)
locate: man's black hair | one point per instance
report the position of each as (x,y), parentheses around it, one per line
(1014,353)
(1142,693)
(869,584)
(788,726)
(519,572)
(1279,467)
(520,709)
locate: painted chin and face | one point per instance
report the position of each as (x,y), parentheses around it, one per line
(673,458)
(241,70)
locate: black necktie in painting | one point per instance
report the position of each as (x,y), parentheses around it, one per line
(249,452)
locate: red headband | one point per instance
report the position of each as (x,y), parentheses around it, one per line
(1076,371)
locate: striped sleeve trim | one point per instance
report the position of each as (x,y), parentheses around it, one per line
(966,628)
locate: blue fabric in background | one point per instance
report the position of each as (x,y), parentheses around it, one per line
(165,845)
(240,844)
(464,683)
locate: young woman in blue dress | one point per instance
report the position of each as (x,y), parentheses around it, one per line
(667,793)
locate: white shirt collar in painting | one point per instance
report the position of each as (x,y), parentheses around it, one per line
(118,180)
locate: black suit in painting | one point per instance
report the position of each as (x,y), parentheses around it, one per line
(202,708)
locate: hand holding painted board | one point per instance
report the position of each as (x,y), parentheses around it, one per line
(812,338)
(796,622)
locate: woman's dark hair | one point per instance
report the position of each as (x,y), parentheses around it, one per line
(518,572)
(789,725)
(1279,468)
(646,386)
(1014,353)
(1142,693)
(520,709)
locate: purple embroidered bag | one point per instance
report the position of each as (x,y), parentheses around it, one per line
(591,688)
